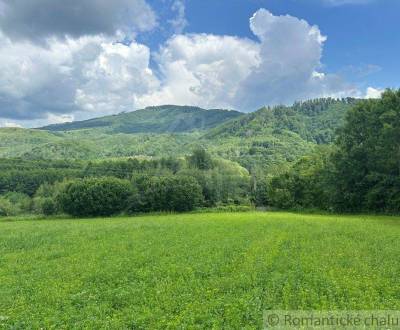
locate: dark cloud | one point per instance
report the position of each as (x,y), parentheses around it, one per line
(41,19)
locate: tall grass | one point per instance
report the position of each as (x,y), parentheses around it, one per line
(193,270)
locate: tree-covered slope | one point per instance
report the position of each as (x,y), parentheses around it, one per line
(91,144)
(270,138)
(314,121)
(161,119)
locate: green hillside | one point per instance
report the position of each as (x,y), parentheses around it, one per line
(314,121)
(91,144)
(270,138)
(162,119)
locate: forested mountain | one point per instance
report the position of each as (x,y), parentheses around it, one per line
(314,121)
(360,174)
(161,119)
(270,138)
(337,155)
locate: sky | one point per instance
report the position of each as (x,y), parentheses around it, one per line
(78,59)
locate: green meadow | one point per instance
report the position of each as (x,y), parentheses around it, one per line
(196,271)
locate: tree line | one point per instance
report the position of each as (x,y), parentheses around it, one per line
(359,172)
(128,186)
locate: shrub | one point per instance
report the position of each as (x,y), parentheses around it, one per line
(95,196)
(5,207)
(15,203)
(49,206)
(226,182)
(45,205)
(46,199)
(171,193)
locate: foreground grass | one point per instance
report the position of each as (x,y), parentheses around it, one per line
(193,271)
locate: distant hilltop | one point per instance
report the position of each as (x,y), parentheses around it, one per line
(154,119)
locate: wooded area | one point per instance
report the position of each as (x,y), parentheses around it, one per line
(358,172)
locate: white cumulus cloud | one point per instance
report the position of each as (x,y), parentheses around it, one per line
(83,75)
(91,74)
(373,93)
(203,70)
(220,71)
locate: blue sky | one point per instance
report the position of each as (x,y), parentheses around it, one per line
(360,35)
(72,60)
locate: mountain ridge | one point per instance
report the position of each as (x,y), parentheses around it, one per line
(271,138)
(154,119)
(314,120)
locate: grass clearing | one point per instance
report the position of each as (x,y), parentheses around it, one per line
(193,270)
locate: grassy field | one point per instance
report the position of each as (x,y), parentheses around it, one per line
(193,271)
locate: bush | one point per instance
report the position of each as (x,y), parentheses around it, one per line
(45,205)
(46,199)
(49,206)
(226,183)
(171,193)
(15,203)
(5,207)
(95,196)
(305,186)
